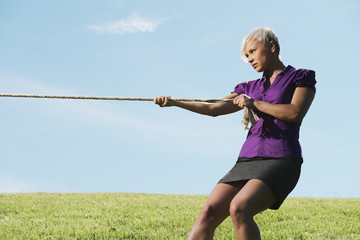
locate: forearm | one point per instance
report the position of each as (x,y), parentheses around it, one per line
(295,111)
(283,112)
(201,108)
(213,109)
(292,112)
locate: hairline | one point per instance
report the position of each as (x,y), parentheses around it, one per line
(262,34)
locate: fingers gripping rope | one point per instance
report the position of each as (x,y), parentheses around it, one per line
(249,115)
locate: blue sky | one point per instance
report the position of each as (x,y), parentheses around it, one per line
(187,49)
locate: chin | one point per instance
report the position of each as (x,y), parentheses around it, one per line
(259,70)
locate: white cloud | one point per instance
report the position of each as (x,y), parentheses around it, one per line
(132,24)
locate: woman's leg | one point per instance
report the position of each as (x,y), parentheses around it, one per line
(253,198)
(215,211)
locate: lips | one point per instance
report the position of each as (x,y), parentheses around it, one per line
(254,65)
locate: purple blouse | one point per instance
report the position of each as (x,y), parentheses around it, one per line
(271,137)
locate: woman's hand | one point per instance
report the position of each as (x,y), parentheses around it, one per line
(164,101)
(243,101)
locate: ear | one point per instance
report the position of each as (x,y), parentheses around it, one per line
(272,46)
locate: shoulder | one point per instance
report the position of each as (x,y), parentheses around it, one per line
(303,72)
(242,87)
(298,72)
(305,77)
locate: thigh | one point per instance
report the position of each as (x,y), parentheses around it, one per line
(222,195)
(255,196)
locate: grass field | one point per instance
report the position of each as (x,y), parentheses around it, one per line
(156,216)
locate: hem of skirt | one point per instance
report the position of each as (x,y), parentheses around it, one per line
(278,201)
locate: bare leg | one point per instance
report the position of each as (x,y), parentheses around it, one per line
(215,210)
(253,198)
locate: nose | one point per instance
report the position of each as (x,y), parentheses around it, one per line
(250,59)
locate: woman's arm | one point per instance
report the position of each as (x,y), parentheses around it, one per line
(212,109)
(293,112)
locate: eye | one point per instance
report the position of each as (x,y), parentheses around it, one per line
(252,50)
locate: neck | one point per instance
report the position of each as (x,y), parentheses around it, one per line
(274,70)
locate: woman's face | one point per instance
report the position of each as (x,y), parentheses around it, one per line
(258,55)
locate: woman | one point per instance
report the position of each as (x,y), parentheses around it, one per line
(269,162)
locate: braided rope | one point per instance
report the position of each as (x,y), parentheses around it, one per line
(109,98)
(249,116)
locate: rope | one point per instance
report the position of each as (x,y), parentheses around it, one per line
(249,116)
(110,98)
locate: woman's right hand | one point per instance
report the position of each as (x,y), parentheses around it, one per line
(164,101)
(243,101)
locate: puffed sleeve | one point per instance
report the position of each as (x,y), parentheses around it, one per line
(240,88)
(305,77)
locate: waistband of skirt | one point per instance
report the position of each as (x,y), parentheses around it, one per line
(297,160)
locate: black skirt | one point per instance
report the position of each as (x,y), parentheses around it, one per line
(280,174)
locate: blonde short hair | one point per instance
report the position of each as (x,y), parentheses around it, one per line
(262,34)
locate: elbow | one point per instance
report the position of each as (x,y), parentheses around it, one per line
(214,114)
(295,117)
(296,120)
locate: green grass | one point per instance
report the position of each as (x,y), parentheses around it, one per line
(156,216)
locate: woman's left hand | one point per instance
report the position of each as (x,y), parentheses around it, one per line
(243,101)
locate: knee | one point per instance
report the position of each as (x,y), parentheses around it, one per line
(208,213)
(240,210)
